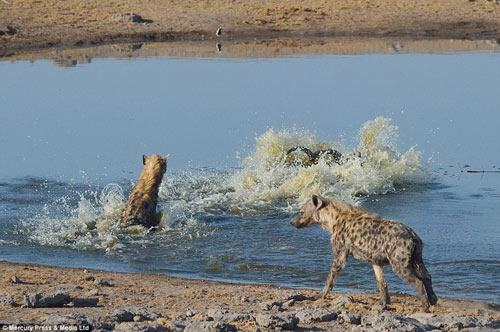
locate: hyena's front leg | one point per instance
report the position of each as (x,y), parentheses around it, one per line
(339,260)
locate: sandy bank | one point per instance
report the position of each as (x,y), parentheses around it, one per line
(37,24)
(161,302)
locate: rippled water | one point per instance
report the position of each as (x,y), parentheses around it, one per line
(72,145)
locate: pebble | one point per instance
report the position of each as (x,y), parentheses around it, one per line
(15,280)
(100,282)
(191,312)
(128,17)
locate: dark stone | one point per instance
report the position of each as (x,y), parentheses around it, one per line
(85,302)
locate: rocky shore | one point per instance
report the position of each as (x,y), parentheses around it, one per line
(34,24)
(54,298)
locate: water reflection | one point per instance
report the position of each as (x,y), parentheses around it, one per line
(68,57)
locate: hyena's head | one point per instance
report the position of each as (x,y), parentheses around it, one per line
(309,213)
(155,164)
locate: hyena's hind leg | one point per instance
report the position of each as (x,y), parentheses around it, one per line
(382,284)
(407,273)
(423,275)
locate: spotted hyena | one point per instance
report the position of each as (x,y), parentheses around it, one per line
(368,236)
(141,205)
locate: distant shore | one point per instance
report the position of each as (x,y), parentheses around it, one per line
(37,294)
(33,24)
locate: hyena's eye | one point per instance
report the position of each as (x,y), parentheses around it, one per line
(301,213)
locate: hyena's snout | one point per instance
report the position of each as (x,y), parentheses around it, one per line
(297,222)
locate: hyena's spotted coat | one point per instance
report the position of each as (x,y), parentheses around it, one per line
(141,205)
(369,237)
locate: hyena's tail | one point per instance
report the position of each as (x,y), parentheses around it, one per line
(422,273)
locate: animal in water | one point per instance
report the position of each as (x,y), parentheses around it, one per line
(141,205)
(218,33)
(330,155)
(367,236)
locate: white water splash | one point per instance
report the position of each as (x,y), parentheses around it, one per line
(269,182)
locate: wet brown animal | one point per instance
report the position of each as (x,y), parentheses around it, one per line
(141,205)
(369,237)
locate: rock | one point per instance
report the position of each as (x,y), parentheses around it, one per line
(308,316)
(100,282)
(379,308)
(289,303)
(139,327)
(40,300)
(129,17)
(178,324)
(454,321)
(7,30)
(191,312)
(127,314)
(85,302)
(15,280)
(65,288)
(225,315)
(208,326)
(6,300)
(342,300)
(390,322)
(270,305)
(349,317)
(287,296)
(72,319)
(121,315)
(93,292)
(284,320)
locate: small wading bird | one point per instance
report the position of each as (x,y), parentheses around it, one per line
(218,32)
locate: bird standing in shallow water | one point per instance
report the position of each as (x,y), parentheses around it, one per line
(219,32)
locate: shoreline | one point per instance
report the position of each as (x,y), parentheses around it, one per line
(249,48)
(160,302)
(28,25)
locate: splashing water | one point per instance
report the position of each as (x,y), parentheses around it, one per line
(269,182)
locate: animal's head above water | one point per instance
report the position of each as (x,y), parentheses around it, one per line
(155,163)
(309,213)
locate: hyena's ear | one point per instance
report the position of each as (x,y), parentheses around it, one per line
(319,202)
(166,157)
(144,159)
